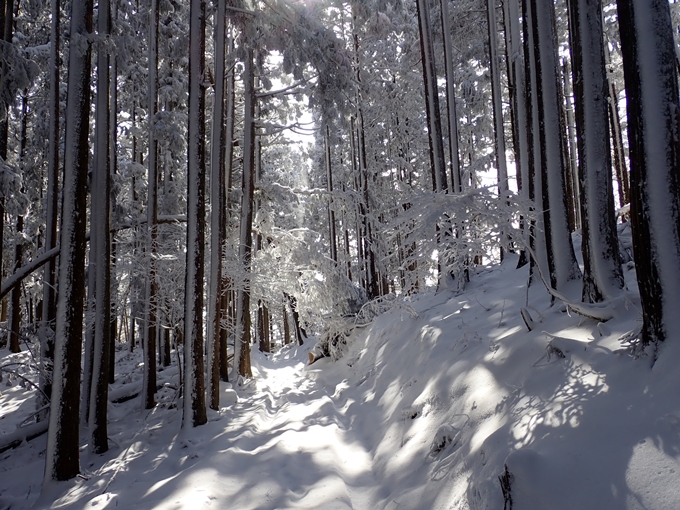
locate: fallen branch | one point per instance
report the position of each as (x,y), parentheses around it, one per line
(118,397)
(23,272)
(14,439)
(601,313)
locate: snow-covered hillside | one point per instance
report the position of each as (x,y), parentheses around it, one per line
(426,409)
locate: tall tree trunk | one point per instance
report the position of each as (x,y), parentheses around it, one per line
(62,462)
(243,320)
(619,152)
(217,205)
(194,381)
(602,276)
(536,230)
(49,311)
(101,202)
(561,259)
(499,127)
(518,109)
(331,211)
(6,28)
(228,171)
(654,136)
(113,165)
(15,298)
(573,156)
(434,125)
(454,159)
(151,333)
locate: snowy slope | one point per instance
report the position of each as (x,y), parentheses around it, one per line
(423,411)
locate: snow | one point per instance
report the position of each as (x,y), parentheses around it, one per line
(422,411)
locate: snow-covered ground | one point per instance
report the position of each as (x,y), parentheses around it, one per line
(424,411)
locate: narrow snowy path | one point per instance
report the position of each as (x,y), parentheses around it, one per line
(286,443)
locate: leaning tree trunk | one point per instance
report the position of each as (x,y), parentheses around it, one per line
(62,461)
(654,135)
(194,382)
(602,276)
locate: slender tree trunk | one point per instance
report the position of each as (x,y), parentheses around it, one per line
(194,381)
(151,333)
(6,28)
(434,125)
(561,259)
(499,127)
(243,320)
(101,202)
(518,109)
(573,156)
(454,159)
(619,152)
(331,211)
(217,205)
(228,171)
(536,231)
(286,325)
(299,330)
(113,165)
(15,296)
(62,462)
(49,311)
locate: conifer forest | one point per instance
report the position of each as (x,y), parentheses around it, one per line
(374,254)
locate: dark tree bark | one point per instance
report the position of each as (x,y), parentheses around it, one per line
(151,333)
(101,194)
(454,159)
(217,206)
(62,461)
(602,275)
(49,309)
(518,111)
(243,319)
(227,296)
(300,333)
(654,136)
(536,237)
(572,167)
(561,259)
(434,123)
(499,126)
(194,380)
(15,297)
(331,211)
